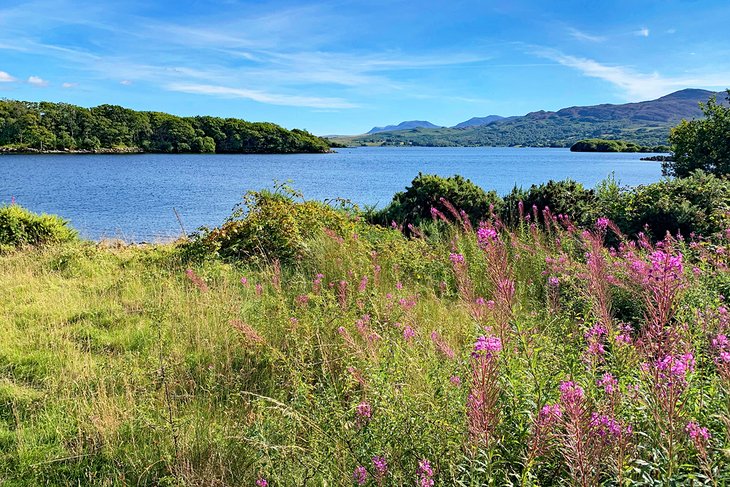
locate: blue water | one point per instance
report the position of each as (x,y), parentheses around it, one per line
(133,196)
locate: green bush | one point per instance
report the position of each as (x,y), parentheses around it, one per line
(413,206)
(699,203)
(565,197)
(272,225)
(20,227)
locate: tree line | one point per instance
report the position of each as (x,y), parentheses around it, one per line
(66,127)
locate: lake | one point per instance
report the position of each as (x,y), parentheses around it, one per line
(132,196)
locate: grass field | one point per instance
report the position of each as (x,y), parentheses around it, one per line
(536,355)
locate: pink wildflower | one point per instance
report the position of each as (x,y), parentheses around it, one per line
(360,475)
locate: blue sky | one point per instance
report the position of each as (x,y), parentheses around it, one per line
(341,67)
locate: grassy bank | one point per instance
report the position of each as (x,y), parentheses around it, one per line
(533,354)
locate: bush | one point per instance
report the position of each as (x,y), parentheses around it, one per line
(699,204)
(413,206)
(272,225)
(20,227)
(565,197)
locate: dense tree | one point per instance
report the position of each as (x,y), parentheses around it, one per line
(702,144)
(60,126)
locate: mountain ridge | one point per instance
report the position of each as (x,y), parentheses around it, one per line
(407,125)
(645,123)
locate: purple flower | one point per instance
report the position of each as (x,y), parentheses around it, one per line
(488,344)
(262,482)
(696,432)
(425,474)
(360,475)
(408,333)
(609,383)
(553,281)
(602,223)
(456,259)
(455,380)
(605,426)
(550,413)
(571,394)
(364,410)
(380,465)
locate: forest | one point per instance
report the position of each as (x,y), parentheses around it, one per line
(45,126)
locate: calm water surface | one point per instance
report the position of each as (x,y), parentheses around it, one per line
(133,196)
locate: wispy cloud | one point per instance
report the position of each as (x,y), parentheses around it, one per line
(69,85)
(125,82)
(261,96)
(583,36)
(37,81)
(643,32)
(6,78)
(636,85)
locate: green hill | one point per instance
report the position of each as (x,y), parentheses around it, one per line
(645,123)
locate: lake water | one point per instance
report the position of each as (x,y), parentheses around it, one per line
(133,196)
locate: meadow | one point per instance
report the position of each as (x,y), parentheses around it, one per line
(338,352)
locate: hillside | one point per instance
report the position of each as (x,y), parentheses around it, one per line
(477,121)
(48,127)
(411,124)
(645,123)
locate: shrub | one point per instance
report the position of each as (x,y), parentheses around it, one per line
(699,203)
(567,197)
(272,225)
(413,206)
(20,227)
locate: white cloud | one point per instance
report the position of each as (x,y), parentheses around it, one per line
(635,85)
(5,77)
(261,96)
(37,81)
(125,82)
(583,36)
(69,85)
(643,32)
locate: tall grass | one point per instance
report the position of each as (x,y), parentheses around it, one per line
(528,355)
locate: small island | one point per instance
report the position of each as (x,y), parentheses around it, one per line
(45,127)
(605,145)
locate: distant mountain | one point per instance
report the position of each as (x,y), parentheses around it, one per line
(412,124)
(477,121)
(645,123)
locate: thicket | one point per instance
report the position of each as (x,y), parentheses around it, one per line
(60,126)
(20,227)
(699,204)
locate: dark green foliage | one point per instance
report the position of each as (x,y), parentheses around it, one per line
(604,145)
(702,144)
(60,126)
(19,227)
(413,206)
(272,225)
(699,203)
(565,197)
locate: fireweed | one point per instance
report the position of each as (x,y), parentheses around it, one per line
(326,386)
(482,411)
(499,275)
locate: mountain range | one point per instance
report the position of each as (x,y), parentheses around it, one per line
(645,123)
